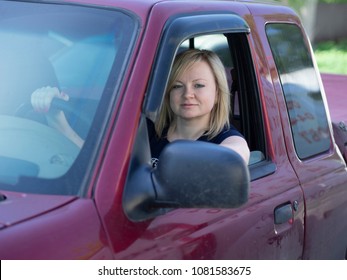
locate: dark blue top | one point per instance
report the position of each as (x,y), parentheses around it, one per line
(158,144)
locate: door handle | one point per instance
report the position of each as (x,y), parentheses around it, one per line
(284,213)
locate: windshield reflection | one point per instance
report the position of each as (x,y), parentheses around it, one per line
(74,50)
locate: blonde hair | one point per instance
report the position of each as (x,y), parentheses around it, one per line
(220,112)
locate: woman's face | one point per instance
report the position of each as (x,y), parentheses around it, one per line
(194,93)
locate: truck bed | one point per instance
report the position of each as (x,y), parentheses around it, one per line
(336,91)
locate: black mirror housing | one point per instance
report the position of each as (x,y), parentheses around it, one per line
(190,174)
(194,174)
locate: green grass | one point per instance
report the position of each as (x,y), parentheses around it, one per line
(332,56)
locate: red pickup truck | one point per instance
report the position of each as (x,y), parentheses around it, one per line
(104,200)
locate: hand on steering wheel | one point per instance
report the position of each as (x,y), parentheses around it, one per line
(41,100)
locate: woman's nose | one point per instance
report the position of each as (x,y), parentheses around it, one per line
(189,92)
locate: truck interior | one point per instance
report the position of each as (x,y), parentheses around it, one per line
(245,112)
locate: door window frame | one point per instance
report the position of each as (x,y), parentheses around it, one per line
(182,28)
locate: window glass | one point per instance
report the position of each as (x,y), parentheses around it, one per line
(301,89)
(73,48)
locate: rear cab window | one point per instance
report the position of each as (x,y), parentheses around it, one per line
(305,106)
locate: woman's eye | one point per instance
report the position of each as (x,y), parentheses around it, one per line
(199,86)
(176,86)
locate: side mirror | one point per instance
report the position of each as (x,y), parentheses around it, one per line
(196,174)
(190,174)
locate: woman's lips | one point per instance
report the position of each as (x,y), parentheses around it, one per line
(188,105)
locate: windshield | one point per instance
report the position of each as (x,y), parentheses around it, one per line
(79,52)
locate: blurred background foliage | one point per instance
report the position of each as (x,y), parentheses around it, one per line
(331,55)
(299,3)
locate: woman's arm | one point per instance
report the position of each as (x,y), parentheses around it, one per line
(41,100)
(239,145)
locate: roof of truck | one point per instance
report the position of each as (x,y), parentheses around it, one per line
(150,3)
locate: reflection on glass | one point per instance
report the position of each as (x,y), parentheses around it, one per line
(73,48)
(301,89)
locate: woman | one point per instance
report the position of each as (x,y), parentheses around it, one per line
(196,105)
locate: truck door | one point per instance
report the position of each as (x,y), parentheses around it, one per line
(271,224)
(309,142)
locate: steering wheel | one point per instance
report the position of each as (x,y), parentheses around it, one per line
(30,141)
(81,110)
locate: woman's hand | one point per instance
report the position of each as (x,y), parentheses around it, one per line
(41,100)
